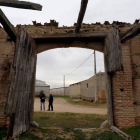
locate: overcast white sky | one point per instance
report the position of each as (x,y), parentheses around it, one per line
(53,64)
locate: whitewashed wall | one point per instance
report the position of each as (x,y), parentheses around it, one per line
(60,91)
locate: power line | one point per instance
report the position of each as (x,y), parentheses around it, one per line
(80,65)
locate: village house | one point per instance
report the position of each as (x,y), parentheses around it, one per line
(86,89)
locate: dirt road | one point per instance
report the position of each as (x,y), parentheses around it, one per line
(61,105)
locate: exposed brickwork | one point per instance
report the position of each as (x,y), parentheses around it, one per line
(135,60)
(6,59)
(124,116)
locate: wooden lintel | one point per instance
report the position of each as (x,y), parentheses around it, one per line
(134,31)
(81,15)
(96,35)
(121,133)
(20,4)
(8,27)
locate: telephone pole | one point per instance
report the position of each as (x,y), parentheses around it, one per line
(95,81)
(64,85)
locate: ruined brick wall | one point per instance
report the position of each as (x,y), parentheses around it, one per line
(6,59)
(122,90)
(134,45)
(123,101)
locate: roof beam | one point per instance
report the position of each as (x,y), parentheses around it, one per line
(20,4)
(8,27)
(134,31)
(81,15)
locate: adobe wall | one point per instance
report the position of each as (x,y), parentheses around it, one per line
(6,58)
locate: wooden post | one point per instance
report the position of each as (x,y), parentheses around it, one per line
(81,15)
(109,99)
(20,4)
(64,85)
(95,81)
(8,27)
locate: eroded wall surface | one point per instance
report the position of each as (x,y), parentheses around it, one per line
(134,45)
(6,59)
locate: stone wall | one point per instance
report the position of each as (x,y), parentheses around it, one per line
(6,59)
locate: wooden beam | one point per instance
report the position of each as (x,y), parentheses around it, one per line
(121,133)
(96,35)
(134,31)
(8,27)
(109,99)
(81,15)
(20,4)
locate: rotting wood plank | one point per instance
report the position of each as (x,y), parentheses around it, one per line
(112,51)
(81,15)
(121,133)
(8,27)
(21,88)
(20,4)
(134,31)
(109,99)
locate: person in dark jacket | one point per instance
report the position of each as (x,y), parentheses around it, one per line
(50,102)
(42,100)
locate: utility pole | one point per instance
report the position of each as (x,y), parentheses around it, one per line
(95,81)
(64,85)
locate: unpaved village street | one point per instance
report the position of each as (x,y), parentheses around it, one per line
(61,105)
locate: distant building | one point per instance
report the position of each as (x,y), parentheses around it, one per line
(86,89)
(60,91)
(39,86)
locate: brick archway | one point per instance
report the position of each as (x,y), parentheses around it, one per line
(125,89)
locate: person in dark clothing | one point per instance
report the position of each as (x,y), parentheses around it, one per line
(42,100)
(50,102)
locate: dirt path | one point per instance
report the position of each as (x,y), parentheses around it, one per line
(61,105)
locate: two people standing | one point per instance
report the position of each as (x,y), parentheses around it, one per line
(42,101)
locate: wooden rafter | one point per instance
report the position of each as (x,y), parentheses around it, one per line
(134,31)
(8,27)
(20,4)
(81,15)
